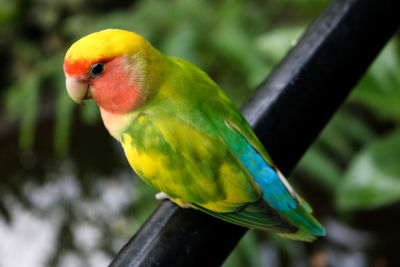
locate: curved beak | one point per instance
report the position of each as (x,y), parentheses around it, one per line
(77,90)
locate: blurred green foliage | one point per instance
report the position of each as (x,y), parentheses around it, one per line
(355,159)
(366,173)
(372,178)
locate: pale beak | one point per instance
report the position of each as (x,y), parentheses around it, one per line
(77,90)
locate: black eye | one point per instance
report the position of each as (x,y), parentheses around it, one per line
(96,70)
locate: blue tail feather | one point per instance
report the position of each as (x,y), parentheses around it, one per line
(275,193)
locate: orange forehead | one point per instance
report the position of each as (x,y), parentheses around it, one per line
(81,67)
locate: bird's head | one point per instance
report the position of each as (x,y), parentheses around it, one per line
(108,66)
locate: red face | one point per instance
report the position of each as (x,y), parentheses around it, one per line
(113,83)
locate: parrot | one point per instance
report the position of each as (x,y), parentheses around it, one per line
(182,135)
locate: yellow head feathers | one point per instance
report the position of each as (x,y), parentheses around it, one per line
(108,43)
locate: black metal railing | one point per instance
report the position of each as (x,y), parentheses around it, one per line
(287,112)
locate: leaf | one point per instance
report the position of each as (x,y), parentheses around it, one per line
(62,125)
(90,112)
(8,11)
(233,42)
(298,7)
(181,43)
(335,144)
(321,167)
(380,88)
(276,43)
(21,103)
(342,133)
(373,178)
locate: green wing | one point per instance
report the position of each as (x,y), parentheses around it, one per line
(194,167)
(188,164)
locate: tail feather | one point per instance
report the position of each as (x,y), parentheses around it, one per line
(278,196)
(308,227)
(257,216)
(301,226)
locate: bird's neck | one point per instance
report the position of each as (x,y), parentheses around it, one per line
(115,123)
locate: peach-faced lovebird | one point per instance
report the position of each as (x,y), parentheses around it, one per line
(182,135)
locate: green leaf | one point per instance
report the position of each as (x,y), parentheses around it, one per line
(380,88)
(90,112)
(28,119)
(233,42)
(8,10)
(21,103)
(276,43)
(181,43)
(373,178)
(342,133)
(62,123)
(337,141)
(298,7)
(319,166)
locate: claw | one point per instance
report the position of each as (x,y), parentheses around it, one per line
(162,196)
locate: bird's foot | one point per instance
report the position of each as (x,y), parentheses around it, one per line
(162,196)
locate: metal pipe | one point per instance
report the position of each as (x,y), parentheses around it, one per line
(287,111)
